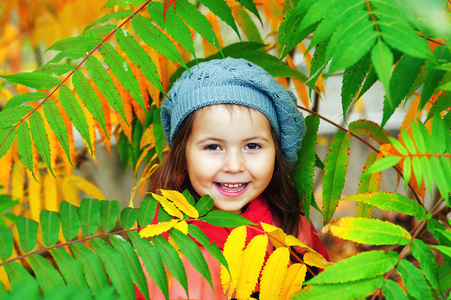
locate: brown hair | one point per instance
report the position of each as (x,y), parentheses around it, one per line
(280,193)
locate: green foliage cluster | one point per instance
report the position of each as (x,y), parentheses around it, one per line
(371,40)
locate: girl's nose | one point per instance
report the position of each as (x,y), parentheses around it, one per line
(233,162)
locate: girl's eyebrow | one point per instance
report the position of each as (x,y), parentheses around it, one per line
(215,139)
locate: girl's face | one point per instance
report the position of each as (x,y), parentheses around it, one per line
(230,155)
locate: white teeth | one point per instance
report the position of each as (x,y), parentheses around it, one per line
(232,185)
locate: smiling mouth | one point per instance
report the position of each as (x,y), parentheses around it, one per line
(232,187)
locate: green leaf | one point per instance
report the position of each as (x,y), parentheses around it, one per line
(75,113)
(11,116)
(81,43)
(247,25)
(204,205)
(360,266)
(70,220)
(6,243)
(444,250)
(156,39)
(57,125)
(101,30)
(352,80)
(417,170)
(445,168)
(400,36)
(123,72)
(192,252)
(441,104)
(131,261)
(24,145)
(407,170)
(404,75)
(304,167)
(33,80)
(24,98)
(371,78)
(196,20)
(250,5)
(439,133)
(391,202)
(28,233)
(173,25)
(122,3)
(158,133)
(369,231)
(147,210)
(92,267)
(428,262)
(118,15)
(128,217)
(382,59)
(20,277)
(89,98)
(40,138)
(50,225)
(58,69)
(109,213)
(172,260)
(7,137)
(139,57)
(152,261)
(393,291)
(48,277)
(382,164)
(370,129)
(427,173)
(418,138)
(221,10)
(444,274)
(415,283)
(440,175)
(367,184)
(433,75)
(202,238)
(351,44)
(70,268)
(116,269)
(69,55)
(89,215)
(106,85)
(349,290)
(224,219)
(335,172)
(190,198)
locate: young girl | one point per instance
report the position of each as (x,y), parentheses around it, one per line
(234,134)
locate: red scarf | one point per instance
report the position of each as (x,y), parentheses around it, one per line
(257,211)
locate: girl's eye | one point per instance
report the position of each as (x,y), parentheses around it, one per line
(213,147)
(253,146)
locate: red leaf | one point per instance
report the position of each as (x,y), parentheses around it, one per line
(167,4)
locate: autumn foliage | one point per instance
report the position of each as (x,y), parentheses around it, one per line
(106,83)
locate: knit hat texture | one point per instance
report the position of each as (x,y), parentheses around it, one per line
(235,81)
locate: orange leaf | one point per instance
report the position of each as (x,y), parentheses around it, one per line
(34,195)
(5,171)
(300,87)
(17,185)
(50,193)
(156,229)
(167,5)
(292,283)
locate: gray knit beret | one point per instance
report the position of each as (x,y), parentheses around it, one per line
(235,81)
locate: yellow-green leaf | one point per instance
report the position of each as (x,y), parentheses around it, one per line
(369,231)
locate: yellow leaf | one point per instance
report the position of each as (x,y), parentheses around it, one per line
(292,241)
(233,253)
(292,283)
(34,195)
(168,206)
(179,200)
(276,235)
(317,260)
(4,278)
(141,158)
(5,171)
(274,273)
(50,193)
(70,193)
(182,226)
(147,138)
(17,186)
(156,229)
(87,187)
(253,259)
(176,247)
